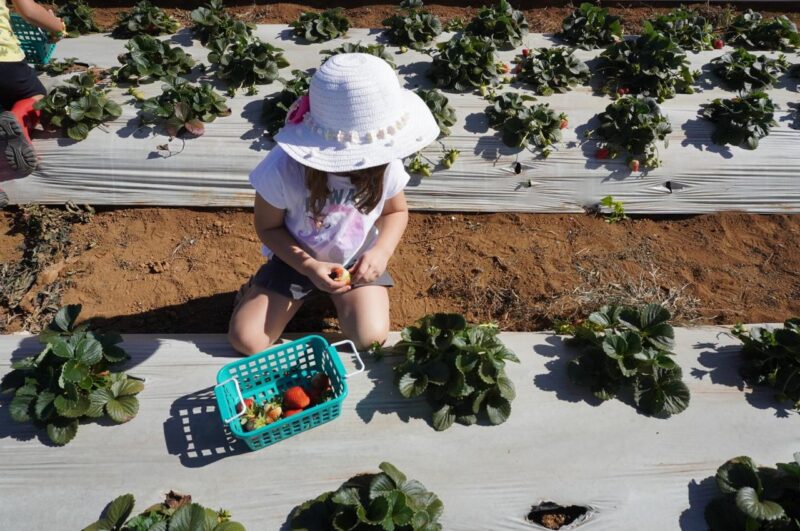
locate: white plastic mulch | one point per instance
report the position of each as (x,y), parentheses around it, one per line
(636,472)
(121,164)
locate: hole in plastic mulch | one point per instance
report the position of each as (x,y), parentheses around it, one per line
(550,515)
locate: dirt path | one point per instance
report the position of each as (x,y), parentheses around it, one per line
(176,270)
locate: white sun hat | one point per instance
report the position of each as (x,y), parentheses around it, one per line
(358,116)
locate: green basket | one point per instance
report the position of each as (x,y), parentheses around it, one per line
(265,376)
(34,42)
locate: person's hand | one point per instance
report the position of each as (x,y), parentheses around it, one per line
(370,266)
(321,273)
(61,33)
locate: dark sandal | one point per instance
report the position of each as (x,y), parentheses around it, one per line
(19,150)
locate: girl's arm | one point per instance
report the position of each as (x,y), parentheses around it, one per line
(391,226)
(39,15)
(268,222)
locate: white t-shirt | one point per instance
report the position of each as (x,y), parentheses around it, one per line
(344,233)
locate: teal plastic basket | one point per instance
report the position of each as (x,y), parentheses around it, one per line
(265,376)
(34,42)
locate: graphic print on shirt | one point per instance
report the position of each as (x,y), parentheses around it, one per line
(340,230)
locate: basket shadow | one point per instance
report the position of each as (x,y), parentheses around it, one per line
(693,519)
(194,431)
(384,397)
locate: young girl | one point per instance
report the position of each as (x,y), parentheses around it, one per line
(19,86)
(330,197)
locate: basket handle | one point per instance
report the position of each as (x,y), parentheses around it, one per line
(355,351)
(238,393)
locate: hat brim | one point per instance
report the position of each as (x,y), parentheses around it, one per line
(309,148)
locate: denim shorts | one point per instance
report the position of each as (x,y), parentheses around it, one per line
(279,277)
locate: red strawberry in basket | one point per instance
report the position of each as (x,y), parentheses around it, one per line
(295,398)
(248,404)
(321,381)
(290,412)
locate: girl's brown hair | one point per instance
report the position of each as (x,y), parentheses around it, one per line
(368,183)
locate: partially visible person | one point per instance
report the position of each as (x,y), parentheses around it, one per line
(20,87)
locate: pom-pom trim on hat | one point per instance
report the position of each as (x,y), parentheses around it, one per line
(356,137)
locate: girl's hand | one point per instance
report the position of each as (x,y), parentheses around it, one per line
(370,266)
(320,275)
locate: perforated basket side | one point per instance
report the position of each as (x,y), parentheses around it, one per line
(266,375)
(33,41)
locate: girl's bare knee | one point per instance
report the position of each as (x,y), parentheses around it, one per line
(248,342)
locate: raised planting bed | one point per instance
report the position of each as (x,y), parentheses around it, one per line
(124,163)
(558,445)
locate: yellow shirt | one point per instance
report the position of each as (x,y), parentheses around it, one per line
(9,45)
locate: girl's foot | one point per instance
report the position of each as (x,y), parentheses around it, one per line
(19,150)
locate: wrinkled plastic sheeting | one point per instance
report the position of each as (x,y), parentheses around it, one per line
(122,164)
(635,472)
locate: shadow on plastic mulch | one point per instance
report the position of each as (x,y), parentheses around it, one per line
(385,398)
(693,518)
(556,381)
(721,364)
(194,431)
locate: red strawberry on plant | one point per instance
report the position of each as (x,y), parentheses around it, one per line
(505,68)
(634,165)
(525,52)
(601,153)
(718,44)
(564,124)
(623,90)
(296,398)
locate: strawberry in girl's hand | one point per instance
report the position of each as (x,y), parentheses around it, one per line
(341,274)
(295,398)
(601,153)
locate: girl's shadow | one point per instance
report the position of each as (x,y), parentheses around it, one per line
(700,494)
(556,380)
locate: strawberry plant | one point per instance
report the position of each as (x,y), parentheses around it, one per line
(459,367)
(412,27)
(615,210)
(549,70)
(750,30)
(275,108)
(756,498)
(501,23)
(591,27)
(464,63)
(626,347)
(251,62)
(525,126)
(772,357)
(144,19)
(321,27)
(687,28)
(71,379)
(77,106)
(440,107)
(184,106)
(176,513)
(216,29)
(652,65)
(77,17)
(744,71)
(149,59)
(632,124)
(387,500)
(378,50)
(420,165)
(742,120)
